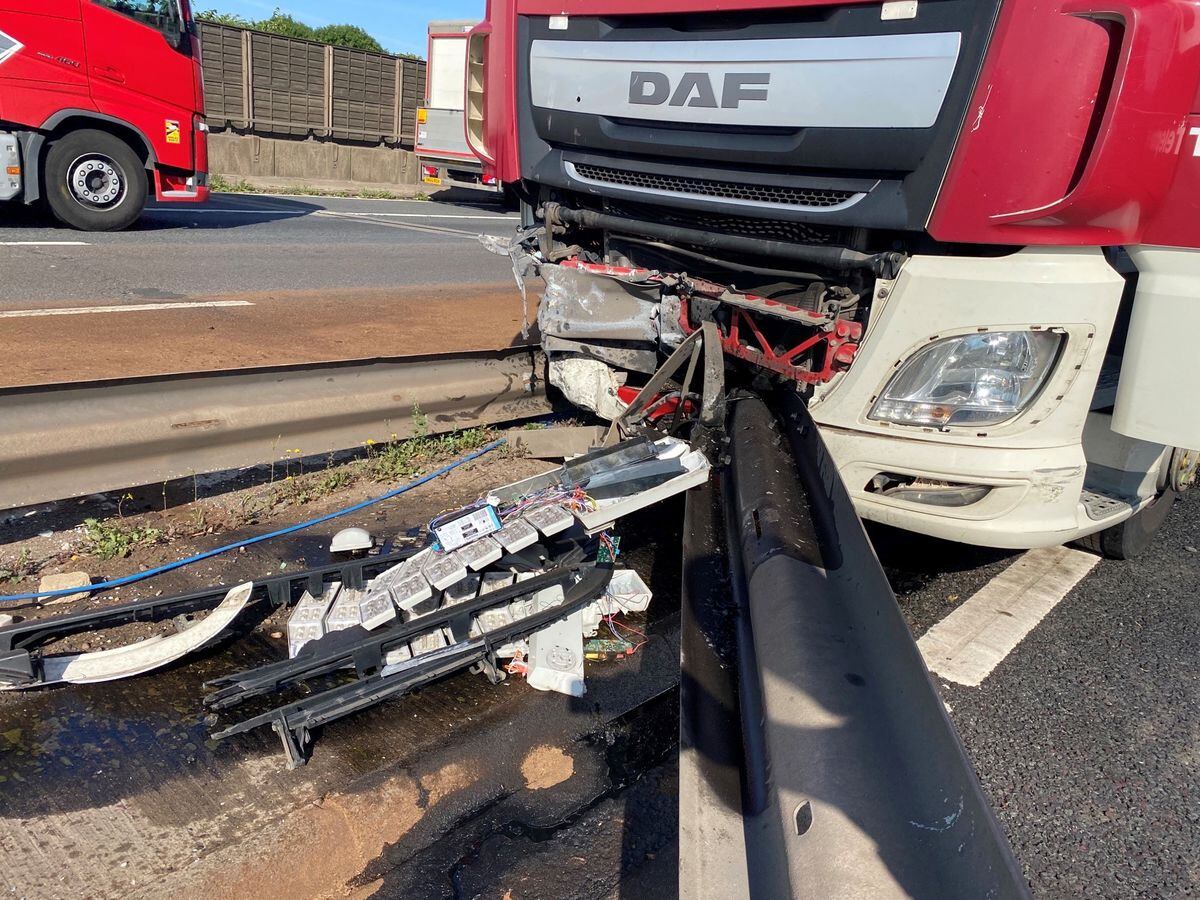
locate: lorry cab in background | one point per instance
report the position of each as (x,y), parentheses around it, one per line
(964,230)
(100,101)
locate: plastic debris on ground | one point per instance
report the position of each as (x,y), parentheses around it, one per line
(550,519)
(376,609)
(345,610)
(478,554)
(554,525)
(443,569)
(307,621)
(352,540)
(465,590)
(459,528)
(556,657)
(516,536)
(428,642)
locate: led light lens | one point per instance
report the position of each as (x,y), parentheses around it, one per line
(976,379)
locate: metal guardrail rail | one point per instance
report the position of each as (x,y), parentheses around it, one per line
(816,756)
(65,440)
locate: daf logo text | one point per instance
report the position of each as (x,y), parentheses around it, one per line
(696,89)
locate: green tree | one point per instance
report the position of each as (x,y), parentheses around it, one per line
(284,24)
(347,36)
(223,18)
(281,23)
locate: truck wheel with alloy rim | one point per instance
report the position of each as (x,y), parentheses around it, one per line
(94,181)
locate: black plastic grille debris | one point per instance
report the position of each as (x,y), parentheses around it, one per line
(811,197)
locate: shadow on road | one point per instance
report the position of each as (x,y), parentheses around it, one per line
(224,212)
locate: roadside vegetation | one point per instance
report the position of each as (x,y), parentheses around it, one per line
(295,480)
(279,22)
(221,184)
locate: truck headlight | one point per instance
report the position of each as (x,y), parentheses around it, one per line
(975,379)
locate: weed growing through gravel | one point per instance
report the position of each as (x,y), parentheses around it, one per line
(404,459)
(112,539)
(387,462)
(22,568)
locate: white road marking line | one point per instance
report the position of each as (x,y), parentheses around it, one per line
(333,212)
(296,214)
(131,307)
(970,642)
(368,219)
(44,244)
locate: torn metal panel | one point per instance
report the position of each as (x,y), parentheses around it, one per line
(584,306)
(523,265)
(631,358)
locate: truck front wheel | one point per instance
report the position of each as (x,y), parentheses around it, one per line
(94,181)
(1130,538)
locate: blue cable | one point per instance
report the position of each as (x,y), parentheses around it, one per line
(208,554)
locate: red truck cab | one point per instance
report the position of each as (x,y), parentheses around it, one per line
(889,208)
(99,101)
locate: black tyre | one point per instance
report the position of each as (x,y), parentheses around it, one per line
(94,181)
(510,200)
(1131,537)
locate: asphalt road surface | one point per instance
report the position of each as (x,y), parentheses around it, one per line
(250,242)
(253,280)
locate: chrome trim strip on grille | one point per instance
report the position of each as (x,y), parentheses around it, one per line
(574,174)
(827,82)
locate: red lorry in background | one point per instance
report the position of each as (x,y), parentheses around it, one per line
(441,145)
(965,230)
(99,100)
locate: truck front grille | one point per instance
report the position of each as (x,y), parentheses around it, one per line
(766,229)
(776,195)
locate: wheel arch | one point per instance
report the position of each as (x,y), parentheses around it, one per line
(67,120)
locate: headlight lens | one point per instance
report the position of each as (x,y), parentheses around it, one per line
(976,379)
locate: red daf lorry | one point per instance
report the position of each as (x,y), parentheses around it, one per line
(100,100)
(966,231)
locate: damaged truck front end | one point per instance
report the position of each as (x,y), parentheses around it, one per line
(802,174)
(621,293)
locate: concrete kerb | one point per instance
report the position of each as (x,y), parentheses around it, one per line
(324,164)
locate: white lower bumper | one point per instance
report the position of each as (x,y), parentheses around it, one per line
(1034,499)
(1034,463)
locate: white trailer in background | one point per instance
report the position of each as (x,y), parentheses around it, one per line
(442,151)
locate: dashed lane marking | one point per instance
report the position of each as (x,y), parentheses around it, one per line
(129,307)
(970,642)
